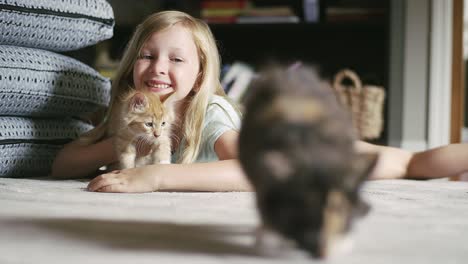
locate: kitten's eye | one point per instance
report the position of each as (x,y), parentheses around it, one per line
(149,124)
(163,123)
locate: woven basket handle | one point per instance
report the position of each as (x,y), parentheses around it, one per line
(347,73)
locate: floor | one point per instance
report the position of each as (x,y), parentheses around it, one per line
(44,221)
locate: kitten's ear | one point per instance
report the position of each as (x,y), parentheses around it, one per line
(138,103)
(362,166)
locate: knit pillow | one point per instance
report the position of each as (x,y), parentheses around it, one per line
(23,160)
(55,25)
(36,82)
(28,146)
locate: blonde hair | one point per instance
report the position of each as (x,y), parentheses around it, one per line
(207,82)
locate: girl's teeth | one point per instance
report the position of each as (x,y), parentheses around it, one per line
(159,86)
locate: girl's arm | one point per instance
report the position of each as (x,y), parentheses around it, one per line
(219,176)
(223,175)
(78,161)
(392,163)
(446,161)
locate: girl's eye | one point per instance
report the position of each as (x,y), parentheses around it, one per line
(149,124)
(177,60)
(146,57)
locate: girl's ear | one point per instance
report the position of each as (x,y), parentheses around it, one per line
(138,103)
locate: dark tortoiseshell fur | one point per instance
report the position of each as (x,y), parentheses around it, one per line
(297,148)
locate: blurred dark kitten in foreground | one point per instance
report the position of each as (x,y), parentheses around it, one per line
(297,148)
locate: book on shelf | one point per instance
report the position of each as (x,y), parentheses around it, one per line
(267,19)
(354,14)
(217,4)
(210,12)
(268,14)
(216,11)
(220,19)
(268,11)
(243,12)
(357,3)
(311,10)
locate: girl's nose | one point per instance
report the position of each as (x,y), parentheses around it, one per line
(159,66)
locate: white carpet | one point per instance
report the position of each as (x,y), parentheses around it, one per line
(43,221)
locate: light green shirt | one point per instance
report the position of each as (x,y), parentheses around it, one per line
(220,117)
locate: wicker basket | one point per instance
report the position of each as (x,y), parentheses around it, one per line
(365,103)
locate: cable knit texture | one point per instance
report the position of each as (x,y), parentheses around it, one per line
(36,82)
(56,25)
(28,145)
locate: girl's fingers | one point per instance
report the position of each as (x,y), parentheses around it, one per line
(102,181)
(94,181)
(115,188)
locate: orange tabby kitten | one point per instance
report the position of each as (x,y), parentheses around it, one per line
(143,125)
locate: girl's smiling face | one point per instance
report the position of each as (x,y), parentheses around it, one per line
(168,63)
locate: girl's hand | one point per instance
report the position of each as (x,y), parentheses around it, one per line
(136,180)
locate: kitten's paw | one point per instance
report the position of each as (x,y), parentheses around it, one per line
(271,243)
(340,246)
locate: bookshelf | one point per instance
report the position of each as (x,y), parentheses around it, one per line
(356,39)
(346,34)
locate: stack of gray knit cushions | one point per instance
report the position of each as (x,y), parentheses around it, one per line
(42,91)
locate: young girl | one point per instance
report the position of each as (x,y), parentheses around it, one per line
(174,54)
(170,53)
